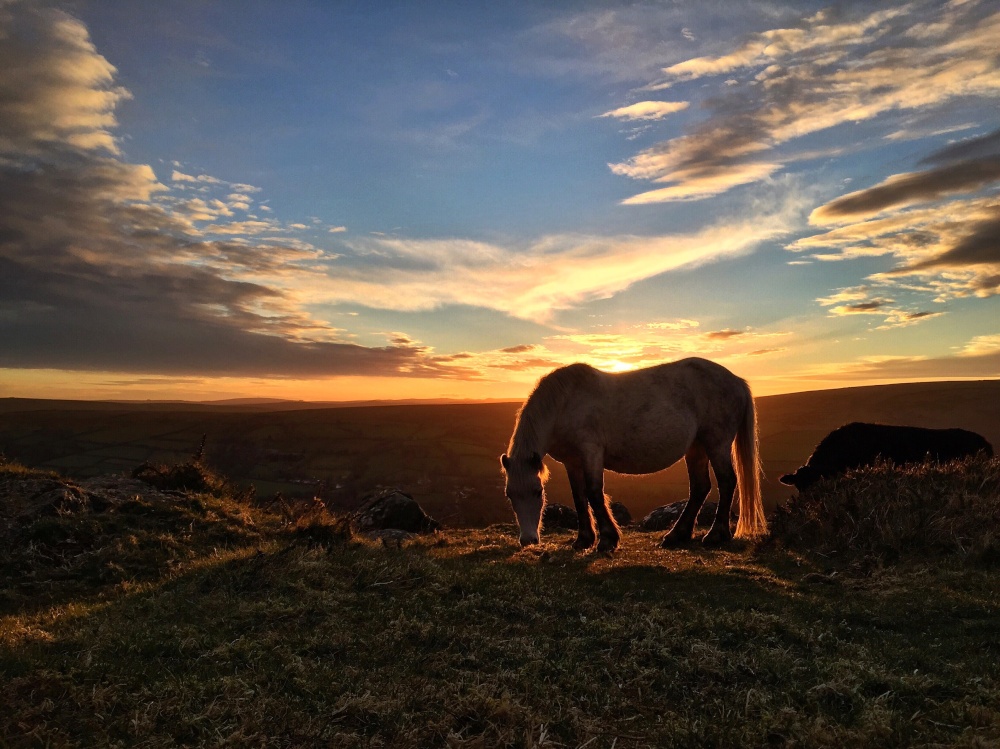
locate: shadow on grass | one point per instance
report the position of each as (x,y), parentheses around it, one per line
(185,620)
(356,644)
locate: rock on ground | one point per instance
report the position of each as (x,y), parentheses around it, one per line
(622,516)
(393,509)
(663,518)
(558,516)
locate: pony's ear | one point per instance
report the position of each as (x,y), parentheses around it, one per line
(535,461)
(788,479)
(505,461)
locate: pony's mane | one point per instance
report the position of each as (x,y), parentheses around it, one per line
(544,404)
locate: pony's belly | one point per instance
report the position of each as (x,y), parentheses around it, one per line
(641,452)
(638,463)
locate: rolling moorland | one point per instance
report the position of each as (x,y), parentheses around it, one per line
(443,454)
(139,614)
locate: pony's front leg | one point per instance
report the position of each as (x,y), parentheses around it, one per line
(606,525)
(586,534)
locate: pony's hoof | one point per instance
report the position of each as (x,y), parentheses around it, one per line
(582,544)
(673,542)
(715,540)
(607,547)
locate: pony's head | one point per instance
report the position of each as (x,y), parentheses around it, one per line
(803,478)
(526,491)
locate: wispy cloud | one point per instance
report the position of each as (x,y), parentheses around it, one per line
(830,69)
(859,300)
(533,280)
(647,110)
(705,183)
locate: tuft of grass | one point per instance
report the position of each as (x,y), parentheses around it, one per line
(11,469)
(317,527)
(192,476)
(884,514)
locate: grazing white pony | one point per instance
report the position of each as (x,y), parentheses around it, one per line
(637,422)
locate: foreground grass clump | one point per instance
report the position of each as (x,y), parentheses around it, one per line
(192,476)
(61,540)
(885,514)
(293,632)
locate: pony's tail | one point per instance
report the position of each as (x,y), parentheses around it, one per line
(746,460)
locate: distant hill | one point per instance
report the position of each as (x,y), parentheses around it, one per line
(444,453)
(241,404)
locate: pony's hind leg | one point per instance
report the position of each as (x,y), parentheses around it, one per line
(722,464)
(699,485)
(586,534)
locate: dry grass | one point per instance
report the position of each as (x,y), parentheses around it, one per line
(884,514)
(268,631)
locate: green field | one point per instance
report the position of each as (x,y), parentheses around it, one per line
(445,455)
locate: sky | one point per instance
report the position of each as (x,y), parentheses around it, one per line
(353,200)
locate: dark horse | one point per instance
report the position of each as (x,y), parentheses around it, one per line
(859,444)
(637,422)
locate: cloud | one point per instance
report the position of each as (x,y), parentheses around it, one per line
(770,46)
(633,347)
(647,110)
(671,324)
(177,176)
(979,359)
(530,281)
(982,345)
(942,224)
(102,267)
(831,69)
(874,307)
(979,246)
(858,301)
(906,189)
(724,335)
(987,145)
(708,182)
(54,87)
(243,228)
(904,319)
(625,43)
(520,349)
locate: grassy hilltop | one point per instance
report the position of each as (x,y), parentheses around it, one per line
(140,616)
